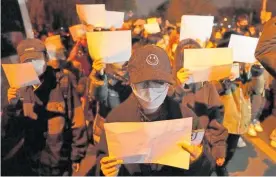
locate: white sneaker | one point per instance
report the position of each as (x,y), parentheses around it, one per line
(251,130)
(258,127)
(241,143)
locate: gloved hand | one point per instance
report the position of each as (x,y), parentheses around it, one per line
(13,95)
(183,76)
(194,150)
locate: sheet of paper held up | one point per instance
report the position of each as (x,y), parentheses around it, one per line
(92,14)
(77,31)
(111,46)
(208,64)
(16,79)
(196,27)
(243,48)
(139,142)
(152,28)
(114,19)
(55,48)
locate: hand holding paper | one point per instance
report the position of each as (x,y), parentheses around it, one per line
(13,95)
(194,150)
(98,65)
(183,75)
(110,166)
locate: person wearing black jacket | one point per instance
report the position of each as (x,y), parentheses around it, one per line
(55,137)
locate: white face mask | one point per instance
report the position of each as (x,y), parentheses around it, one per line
(151,98)
(39,66)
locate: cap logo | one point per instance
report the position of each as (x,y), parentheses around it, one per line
(152,60)
(28,49)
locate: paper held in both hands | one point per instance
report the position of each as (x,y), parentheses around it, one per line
(111,46)
(139,142)
(16,79)
(243,48)
(208,64)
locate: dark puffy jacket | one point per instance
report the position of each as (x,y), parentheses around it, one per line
(56,133)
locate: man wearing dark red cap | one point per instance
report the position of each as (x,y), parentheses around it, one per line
(150,77)
(55,135)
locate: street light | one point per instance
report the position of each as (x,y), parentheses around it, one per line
(225,19)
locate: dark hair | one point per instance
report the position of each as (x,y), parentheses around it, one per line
(242,17)
(154,38)
(43,33)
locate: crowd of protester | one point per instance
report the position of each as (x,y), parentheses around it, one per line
(47,129)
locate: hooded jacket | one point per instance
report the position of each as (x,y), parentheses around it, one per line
(204,98)
(202,166)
